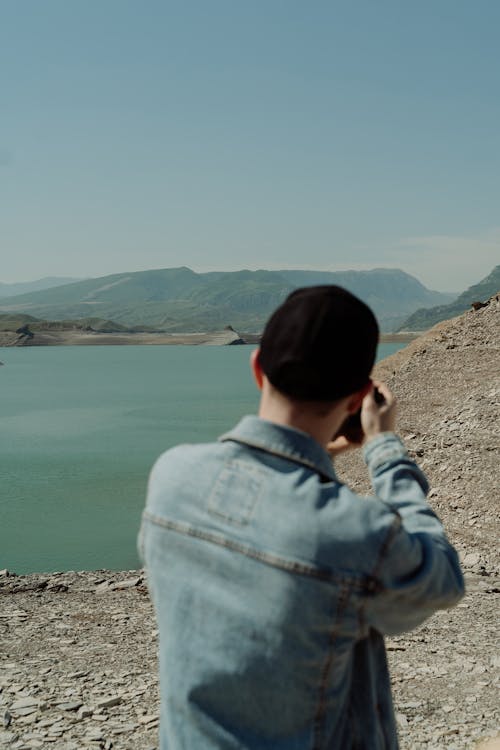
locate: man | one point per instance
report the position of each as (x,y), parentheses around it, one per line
(273,583)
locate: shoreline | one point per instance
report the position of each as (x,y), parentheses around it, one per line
(75,337)
(226,337)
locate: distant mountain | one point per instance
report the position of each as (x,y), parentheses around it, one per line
(178,299)
(11,290)
(426,318)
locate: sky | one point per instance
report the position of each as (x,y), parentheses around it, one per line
(229,134)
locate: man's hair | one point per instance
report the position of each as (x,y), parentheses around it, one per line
(320,344)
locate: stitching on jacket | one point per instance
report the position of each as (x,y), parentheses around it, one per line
(319,718)
(375,586)
(360,584)
(393,530)
(223,506)
(296,458)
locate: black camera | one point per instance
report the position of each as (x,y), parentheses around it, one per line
(351,429)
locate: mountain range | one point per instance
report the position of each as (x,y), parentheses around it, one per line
(425,318)
(179,299)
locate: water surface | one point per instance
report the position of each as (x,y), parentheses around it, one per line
(79,430)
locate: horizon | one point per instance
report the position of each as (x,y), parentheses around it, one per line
(233,270)
(354,137)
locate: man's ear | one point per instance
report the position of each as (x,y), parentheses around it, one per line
(356,398)
(256,368)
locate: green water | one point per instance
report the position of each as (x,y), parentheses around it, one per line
(79,430)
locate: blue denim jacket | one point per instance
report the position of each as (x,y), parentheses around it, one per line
(273,584)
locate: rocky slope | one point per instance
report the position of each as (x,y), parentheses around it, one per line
(426,317)
(445,674)
(78,650)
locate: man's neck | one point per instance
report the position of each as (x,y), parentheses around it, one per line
(277,408)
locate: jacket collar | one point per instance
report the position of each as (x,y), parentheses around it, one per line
(286,442)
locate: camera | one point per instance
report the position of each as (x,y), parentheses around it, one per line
(351,429)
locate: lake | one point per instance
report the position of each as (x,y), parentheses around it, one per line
(79,430)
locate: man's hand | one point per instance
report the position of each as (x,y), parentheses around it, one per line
(377,418)
(340,445)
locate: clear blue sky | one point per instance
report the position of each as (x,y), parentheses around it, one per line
(224,134)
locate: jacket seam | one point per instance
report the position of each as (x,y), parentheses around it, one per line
(275,561)
(376,584)
(330,476)
(320,715)
(391,533)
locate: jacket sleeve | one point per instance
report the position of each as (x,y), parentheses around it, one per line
(417,570)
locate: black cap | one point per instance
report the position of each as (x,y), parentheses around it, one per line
(320,344)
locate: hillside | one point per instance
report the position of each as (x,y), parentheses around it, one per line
(422,319)
(18,329)
(11,290)
(179,300)
(96,682)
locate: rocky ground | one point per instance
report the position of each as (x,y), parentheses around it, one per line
(78,650)
(446,673)
(78,662)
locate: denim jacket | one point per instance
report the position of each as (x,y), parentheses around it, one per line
(274,583)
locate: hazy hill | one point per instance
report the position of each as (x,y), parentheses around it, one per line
(10,290)
(425,318)
(178,299)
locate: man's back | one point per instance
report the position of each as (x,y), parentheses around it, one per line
(273,582)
